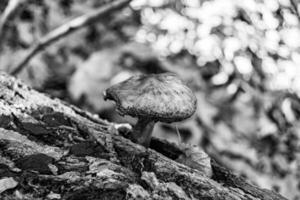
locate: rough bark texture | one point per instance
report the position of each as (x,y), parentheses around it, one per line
(57,151)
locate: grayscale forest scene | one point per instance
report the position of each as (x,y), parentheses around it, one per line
(150,99)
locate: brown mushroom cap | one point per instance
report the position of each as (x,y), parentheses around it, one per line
(159,97)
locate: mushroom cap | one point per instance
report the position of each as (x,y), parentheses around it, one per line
(158,97)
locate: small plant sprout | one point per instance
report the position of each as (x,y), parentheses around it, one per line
(152,98)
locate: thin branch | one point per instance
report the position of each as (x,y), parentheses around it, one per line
(294,5)
(66,29)
(10,10)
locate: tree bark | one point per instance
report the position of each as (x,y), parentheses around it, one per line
(56,151)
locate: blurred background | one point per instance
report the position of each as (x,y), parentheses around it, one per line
(240,57)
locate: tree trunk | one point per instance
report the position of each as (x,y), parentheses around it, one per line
(56,151)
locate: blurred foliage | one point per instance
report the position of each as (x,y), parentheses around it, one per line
(240,57)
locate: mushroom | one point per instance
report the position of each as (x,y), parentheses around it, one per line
(152,98)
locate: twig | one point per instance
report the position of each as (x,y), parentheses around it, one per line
(10,10)
(294,5)
(66,29)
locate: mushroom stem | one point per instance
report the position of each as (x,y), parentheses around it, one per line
(142,131)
